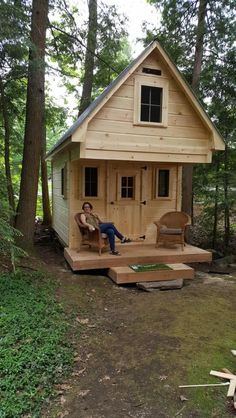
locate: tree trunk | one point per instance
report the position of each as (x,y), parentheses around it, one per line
(214,235)
(47,217)
(187,179)
(201,30)
(34,123)
(89,57)
(226,197)
(6,126)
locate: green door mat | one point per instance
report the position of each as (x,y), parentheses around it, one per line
(149,267)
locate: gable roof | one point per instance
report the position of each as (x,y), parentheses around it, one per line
(95,106)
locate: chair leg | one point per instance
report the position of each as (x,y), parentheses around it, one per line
(100,251)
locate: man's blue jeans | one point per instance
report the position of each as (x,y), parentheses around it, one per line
(112,232)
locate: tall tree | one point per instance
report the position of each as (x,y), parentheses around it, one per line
(13,37)
(206,27)
(89,57)
(187,178)
(6,124)
(34,123)
(110,53)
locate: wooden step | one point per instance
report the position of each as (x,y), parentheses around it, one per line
(121,275)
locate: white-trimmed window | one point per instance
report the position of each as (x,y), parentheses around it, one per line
(128,185)
(151,101)
(163,180)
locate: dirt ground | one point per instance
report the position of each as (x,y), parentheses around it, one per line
(134,348)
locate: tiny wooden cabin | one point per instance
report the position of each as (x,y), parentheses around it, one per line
(125,153)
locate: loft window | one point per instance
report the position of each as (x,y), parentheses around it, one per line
(163,183)
(151,104)
(127,187)
(154,71)
(91,181)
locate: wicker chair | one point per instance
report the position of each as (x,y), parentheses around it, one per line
(91,238)
(171,228)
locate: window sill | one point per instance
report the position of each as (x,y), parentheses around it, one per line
(150,124)
(162,198)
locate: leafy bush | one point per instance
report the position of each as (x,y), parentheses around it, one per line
(34,349)
(8,248)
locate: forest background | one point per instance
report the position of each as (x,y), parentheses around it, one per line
(42,37)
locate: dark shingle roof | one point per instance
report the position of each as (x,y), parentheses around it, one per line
(95,103)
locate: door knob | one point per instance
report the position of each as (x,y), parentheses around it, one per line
(144,202)
(111,203)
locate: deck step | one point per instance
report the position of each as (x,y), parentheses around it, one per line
(122,275)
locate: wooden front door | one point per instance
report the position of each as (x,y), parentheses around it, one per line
(124,198)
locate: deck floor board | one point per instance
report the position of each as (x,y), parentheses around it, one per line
(133,253)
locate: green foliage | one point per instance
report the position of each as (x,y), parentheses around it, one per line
(8,234)
(113,48)
(67,47)
(34,351)
(214,185)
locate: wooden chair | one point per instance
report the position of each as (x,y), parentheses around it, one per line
(92,238)
(171,228)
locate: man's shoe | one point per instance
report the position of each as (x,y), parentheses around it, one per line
(125,240)
(115,253)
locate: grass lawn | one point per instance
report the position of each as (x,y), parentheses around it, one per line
(34,349)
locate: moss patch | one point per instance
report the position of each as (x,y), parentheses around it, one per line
(138,268)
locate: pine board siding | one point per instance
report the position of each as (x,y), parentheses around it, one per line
(129,153)
(60,204)
(112,129)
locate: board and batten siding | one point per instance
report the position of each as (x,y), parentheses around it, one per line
(60,204)
(112,134)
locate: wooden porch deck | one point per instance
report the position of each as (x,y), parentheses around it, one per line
(134,253)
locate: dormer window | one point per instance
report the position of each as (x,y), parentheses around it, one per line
(150,101)
(151,104)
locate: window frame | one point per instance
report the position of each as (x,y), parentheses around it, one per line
(64,185)
(156,171)
(136,186)
(83,180)
(150,81)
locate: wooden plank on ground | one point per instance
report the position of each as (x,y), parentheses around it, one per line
(232,387)
(223,375)
(161,285)
(127,275)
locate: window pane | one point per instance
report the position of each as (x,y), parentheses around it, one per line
(151,104)
(62,181)
(127,187)
(145,94)
(144,113)
(123,181)
(163,183)
(123,193)
(130,181)
(155,114)
(156,95)
(91,181)
(130,193)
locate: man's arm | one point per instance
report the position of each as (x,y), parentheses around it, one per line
(83,220)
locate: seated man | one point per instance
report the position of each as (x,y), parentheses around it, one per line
(92,221)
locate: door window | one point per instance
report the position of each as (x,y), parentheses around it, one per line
(127,187)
